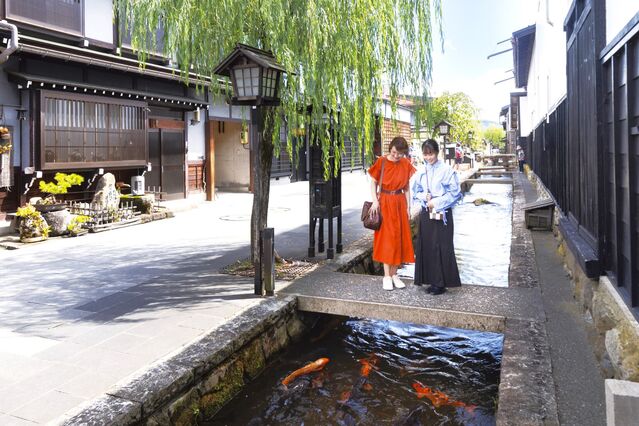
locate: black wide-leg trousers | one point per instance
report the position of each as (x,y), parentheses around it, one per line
(435,262)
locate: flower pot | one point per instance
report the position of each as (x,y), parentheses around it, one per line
(33,239)
(78,233)
(48,208)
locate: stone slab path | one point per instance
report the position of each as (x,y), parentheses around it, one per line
(79,316)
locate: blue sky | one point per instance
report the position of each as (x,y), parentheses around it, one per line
(472,29)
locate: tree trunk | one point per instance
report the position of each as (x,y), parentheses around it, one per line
(263,158)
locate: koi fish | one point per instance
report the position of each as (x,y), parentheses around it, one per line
(316,365)
(344,397)
(367,387)
(438,398)
(367,365)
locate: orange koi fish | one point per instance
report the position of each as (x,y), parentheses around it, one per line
(367,387)
(439,398)
(367,365)
(344,397)
(316,365)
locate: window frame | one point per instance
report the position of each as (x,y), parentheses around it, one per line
(45,24)
(49,165)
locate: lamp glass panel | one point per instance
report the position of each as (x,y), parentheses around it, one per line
(443,129)
(248,87)
(255,81)
(239,81)
(267,83)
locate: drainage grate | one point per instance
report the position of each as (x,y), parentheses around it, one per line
(286,271)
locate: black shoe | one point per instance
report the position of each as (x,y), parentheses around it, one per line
(429,289)
(437,290)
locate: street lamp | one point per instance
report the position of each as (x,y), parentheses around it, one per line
(443,127)
(255,76)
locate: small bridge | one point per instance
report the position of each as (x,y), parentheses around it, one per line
(478,177)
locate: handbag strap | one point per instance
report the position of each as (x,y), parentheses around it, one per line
(381,177)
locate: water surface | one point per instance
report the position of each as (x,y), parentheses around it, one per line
(460,363)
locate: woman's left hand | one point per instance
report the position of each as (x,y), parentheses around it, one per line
(431,205)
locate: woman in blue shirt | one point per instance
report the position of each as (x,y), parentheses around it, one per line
(436,189)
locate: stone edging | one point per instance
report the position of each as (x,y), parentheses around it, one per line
(203,376)
(617,340)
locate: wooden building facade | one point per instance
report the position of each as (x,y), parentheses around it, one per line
(78,101)
(586,152)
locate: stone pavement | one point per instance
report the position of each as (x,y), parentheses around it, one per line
(79,315)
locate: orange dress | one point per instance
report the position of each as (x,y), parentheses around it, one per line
(393,244)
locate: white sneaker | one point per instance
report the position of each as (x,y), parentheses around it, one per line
(397,282)
(387,283)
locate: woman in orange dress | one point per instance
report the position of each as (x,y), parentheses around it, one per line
(393,244)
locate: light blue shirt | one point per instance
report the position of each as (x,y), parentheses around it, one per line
(442,183)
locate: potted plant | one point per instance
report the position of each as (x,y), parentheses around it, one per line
(32,226)
(61,185)
(76,227)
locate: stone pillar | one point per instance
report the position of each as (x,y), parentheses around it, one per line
(622,402)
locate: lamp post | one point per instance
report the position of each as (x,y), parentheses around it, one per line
(443,127)
(255,76)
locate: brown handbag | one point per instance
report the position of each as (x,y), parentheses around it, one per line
(373,220)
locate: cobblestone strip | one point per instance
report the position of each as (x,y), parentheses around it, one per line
(526,387)
(197,381)
(523,270)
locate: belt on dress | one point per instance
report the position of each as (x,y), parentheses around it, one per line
(396,192)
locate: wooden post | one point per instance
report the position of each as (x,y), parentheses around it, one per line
(210,160)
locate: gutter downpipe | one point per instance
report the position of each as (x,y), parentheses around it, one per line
(13,42)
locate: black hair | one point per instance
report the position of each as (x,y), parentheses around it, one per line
(429,146)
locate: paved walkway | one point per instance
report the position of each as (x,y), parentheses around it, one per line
(78,315)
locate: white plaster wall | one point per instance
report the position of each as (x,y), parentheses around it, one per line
(219,109)
(98,20)
(401,114)
(231,157)
(195,136)
(547,76)
(618,13)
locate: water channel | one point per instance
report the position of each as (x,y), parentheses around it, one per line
(463,365)
(482,236)
(416,374)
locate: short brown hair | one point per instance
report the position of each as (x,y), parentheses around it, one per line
(399,143)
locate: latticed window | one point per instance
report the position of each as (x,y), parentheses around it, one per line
(86,131)
(61,15)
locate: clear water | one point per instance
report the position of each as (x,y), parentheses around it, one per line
(460,363)
(482,236)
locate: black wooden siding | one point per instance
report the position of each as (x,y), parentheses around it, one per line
(621,194)
(582,151)
(546,154)
(587,152)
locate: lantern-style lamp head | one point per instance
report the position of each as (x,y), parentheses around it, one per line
(255,76)
(443,127)
(471,134)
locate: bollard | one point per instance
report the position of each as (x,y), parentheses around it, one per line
(267,255)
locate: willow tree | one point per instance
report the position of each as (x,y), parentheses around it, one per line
(341,55)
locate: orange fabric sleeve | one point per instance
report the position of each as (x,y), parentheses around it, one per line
(376,169)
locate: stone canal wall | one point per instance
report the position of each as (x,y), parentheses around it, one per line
(617,331)
(194,384)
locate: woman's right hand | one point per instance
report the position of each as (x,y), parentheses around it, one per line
(374,207)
